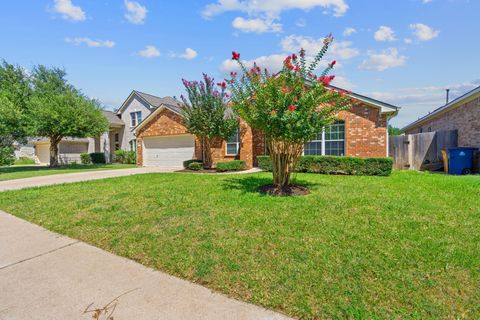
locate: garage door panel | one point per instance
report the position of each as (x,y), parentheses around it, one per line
(168,151)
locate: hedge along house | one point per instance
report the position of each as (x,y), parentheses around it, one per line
(163,140)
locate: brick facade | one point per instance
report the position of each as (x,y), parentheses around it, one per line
(365,135)
(465,118)
(365,132)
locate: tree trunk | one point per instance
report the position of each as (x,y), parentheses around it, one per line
(54,141)
(284,156)
(207,159)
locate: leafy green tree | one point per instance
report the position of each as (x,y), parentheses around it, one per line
(62,111)
(15,116)
(290,107)
(394,131)
(206,115)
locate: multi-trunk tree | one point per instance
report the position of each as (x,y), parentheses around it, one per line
(205,114)
(290,107)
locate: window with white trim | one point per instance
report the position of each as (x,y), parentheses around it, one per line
(133,145)
(233,144)
(335,139)
(330,142)
(135,118)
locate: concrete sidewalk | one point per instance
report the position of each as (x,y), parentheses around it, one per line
(44,275)
(76,177)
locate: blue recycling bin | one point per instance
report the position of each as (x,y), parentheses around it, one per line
(460,160)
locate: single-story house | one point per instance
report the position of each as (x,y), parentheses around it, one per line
(163,140)
(461,114)
(38,148)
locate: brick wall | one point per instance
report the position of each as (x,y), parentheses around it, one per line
(365,132)
(163,124)
(465,118)
(365,136)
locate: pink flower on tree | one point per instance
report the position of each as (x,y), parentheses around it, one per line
(292,107)
(235,55)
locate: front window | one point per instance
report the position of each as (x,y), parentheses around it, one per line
(233,144)
(133,145)
(330,142)
(314,147)
(135,118)
(335,139)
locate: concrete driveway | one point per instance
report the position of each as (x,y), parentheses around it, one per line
(76,177)
(44,275)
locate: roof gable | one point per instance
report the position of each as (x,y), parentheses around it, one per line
(449,106)
(150,100)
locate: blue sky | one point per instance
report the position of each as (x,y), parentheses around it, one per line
(405,52)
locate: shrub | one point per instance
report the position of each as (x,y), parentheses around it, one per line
(85,158)
(24,161)
(235,165)
(264,163)
(127,157)
(7,157)
(186,163)
(196,166)
(97,157)
(337,165)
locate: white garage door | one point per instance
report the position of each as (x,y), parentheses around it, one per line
(43,153)
(168,152)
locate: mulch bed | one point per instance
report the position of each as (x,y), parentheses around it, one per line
(291,190)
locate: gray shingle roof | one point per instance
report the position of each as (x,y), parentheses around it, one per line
(112,118)
(155,101)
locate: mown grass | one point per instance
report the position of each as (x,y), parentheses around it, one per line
(19,171)
(400,247)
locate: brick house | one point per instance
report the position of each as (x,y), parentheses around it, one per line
(461,114)
(162,140)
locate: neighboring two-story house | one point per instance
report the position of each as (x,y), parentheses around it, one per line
(136,107)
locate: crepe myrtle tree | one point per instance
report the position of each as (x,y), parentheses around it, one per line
(62,111)
(206,115)
(290,107)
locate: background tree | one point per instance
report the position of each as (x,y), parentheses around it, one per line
(15,123)
(62,111)
(394,131)
(205,114)
(290,108)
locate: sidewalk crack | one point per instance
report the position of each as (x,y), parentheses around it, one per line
(39,255)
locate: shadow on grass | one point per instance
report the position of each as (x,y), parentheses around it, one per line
(250,184)
(30,168)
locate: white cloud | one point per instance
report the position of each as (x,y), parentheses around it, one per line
(418,101)
(189,54)
(423,32)
(91,43)
(342,82)
(384,33)
(389,58)
(136,13)
(256,25)
(349,31)
(338,49)
(273,63)
(426,1)
(272,8)
(407,40)
(149,52)
(69,11)
(301,23)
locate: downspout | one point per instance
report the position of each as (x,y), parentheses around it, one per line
(388,137)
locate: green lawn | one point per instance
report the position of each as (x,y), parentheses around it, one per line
(19,172)
(399,247)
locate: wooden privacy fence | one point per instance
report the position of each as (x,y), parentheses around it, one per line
(421,151)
